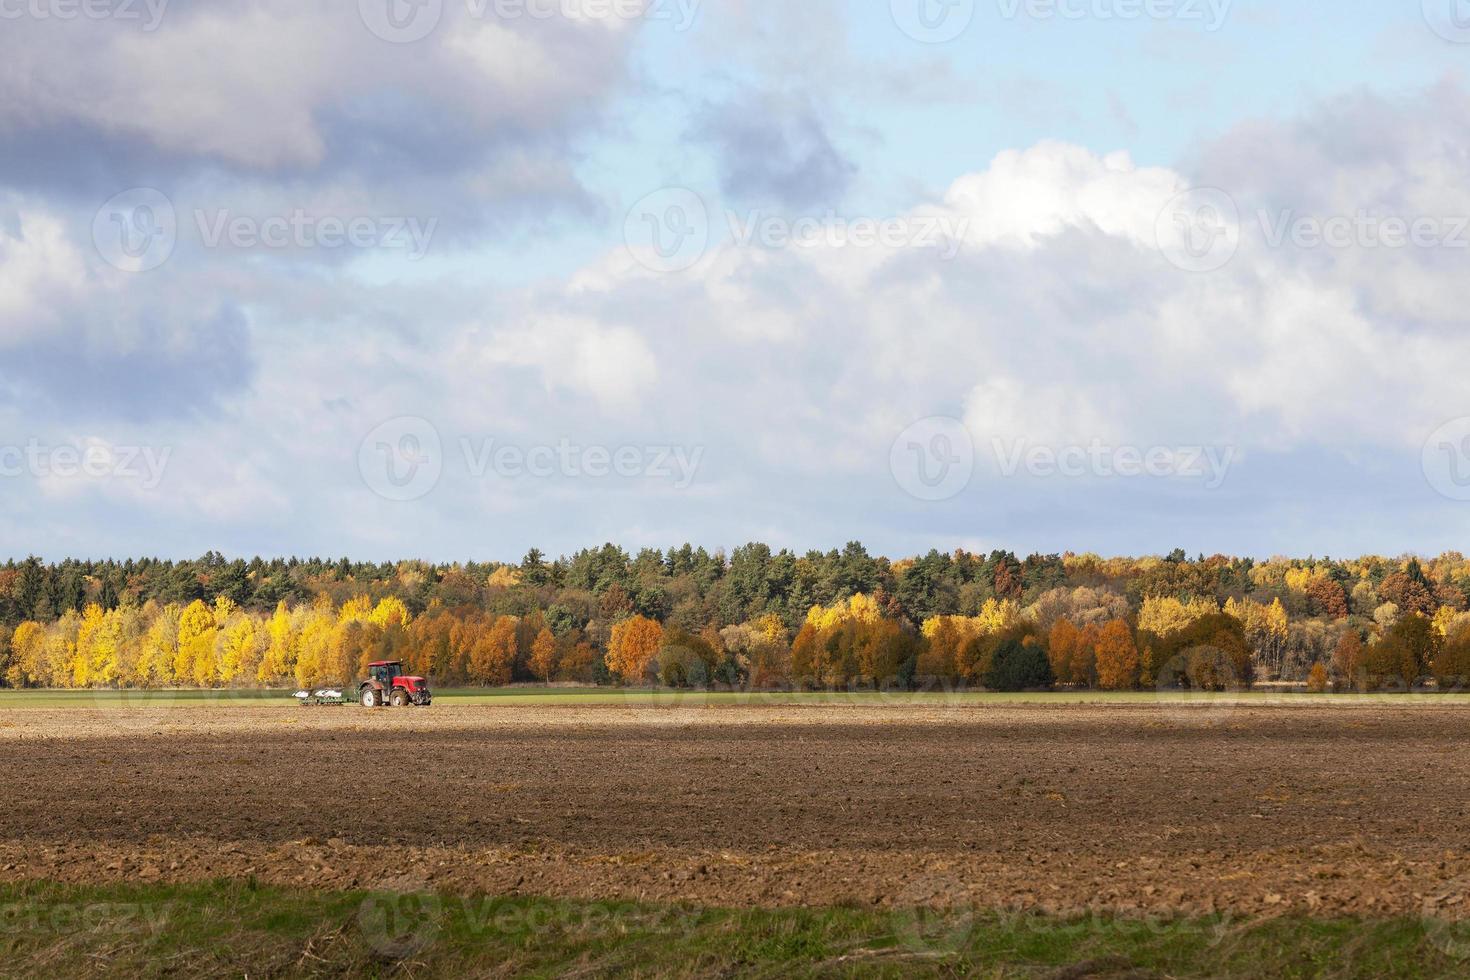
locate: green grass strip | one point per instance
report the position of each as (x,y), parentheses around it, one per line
(232,929)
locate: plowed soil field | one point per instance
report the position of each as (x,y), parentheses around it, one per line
(1324,807)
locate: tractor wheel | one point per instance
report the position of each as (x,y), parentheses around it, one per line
(369,698)
(398,699)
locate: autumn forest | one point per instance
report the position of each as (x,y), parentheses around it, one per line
(750,619)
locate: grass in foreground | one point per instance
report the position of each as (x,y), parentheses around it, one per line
(235,929)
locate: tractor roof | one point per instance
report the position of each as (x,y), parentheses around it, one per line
(386,663)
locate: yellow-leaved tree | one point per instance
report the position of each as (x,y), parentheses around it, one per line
(279,659)
(26,646)
(861,608)
(313,646)
(1163,615)
(995,615)
(356,610)
(390,611)
(58,653)
(504,577)
(1297,579)
(239,649)
(194,660)
(543,654)
(1445,619)
(939,659)
(160,649)
(94,648)
(770,629)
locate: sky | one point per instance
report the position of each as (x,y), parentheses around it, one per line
(452,279)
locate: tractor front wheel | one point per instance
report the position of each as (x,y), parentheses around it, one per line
(398,699)
(369,698)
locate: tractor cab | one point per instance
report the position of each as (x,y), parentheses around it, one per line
(387,684)
(385,671)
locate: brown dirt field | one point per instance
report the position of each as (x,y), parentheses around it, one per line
(1327,808)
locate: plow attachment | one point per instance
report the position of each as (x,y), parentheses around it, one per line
(320,697)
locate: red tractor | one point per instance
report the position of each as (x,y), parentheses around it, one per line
(386,684)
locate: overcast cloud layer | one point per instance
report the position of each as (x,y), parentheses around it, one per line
(284,277)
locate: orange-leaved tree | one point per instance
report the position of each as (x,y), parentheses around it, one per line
(1084,656)
(494,652)
(1117,657)
(577,662)
(1347,663)
(632,647)
(1060,645)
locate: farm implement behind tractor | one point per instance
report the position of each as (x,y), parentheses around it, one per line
(324,696)
(386,684)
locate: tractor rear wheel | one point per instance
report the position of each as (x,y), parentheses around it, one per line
(369,698)
(398,699)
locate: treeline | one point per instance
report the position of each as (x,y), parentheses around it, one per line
(753,618)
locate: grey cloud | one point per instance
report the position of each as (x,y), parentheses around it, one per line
(1387,141)
(474,121)
(156,364)
(1363,155)
(261,109)
(773,150)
